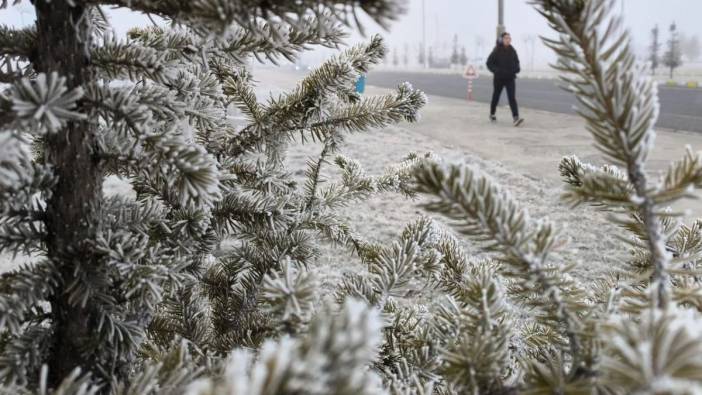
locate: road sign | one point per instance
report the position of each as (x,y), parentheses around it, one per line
(470,74)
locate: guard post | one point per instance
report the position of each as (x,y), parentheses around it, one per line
(470,74)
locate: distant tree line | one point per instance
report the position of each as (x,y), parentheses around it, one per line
(677,46)
(458,57)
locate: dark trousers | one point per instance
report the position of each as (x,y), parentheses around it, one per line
(498,84)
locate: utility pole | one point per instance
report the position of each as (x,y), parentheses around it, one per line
(529,42)
(424,34)
(500,17)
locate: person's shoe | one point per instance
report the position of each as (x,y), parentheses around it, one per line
(493,118)
(518,121)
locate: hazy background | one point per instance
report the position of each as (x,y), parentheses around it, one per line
(473,22)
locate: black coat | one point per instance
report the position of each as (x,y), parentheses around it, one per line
(504,62)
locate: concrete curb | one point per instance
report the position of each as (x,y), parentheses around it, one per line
(690,84)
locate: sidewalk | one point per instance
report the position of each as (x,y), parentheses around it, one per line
(533,150)
(686,78)
(536,148)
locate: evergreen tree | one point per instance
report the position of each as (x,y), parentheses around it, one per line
(578,338)
(479,44)
(110,272)
(203,280)
(673,55)
(405,55)
(421,57)
(654,48)
(529,44)
(430,57)
(455,56)
(463,60)
(386,58)
(691,48)
(395,58)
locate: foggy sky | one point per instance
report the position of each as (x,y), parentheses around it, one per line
(470,19)
(473,18)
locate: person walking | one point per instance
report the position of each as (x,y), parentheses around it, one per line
(503,62)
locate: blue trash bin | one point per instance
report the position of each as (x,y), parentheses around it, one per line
(361,84)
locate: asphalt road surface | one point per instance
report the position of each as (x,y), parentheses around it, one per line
(681,108)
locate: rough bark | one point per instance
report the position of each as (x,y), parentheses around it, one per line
(73,211)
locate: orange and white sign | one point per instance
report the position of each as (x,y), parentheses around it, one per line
(470,73)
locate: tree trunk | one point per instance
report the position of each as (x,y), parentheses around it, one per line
(73,210)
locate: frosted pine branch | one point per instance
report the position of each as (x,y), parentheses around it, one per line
(480,209)
(45,103)
(21,295)
(370,113)
(240,93)
(681,179)
(200,252)
(659,354)
(238,208)
(218,15)
(174,43)
(477,332)
(608,188)
(356,185)
(313,172)
(4,3)
(331,358)
(290,295)
(605,187)
(335,77)
(164,150)
(618,100)
(271,40)
(19,43)
(21,235)
(15,163)
(374,112)
(116,60)
(138,107)
(393,270)
(13,70)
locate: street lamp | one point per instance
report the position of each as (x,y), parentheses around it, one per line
(529,42)
(500,17)
(424,35)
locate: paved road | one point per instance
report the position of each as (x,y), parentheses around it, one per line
(681,108)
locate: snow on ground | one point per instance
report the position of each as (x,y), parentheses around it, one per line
(593,248)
